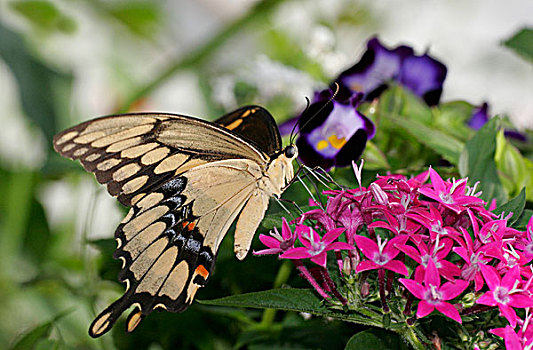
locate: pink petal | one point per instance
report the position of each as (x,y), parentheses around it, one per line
(463,253)
(390,249)
(449,310)
(424,309)
(451,290)
(509,314)
(366,265)
(511,277)
(512,340)
(490,275)
(267,251)
(367,246)
(487,299)
(478,279)
(438,184)
(285,229)
(411,252)
(296,253)
(269,241)
(339,246)
(432,276)
(396,266)
(520,300)
(415,288)
(332,235)
(320,259)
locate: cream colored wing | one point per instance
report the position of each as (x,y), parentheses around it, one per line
(169,239)
(135,153)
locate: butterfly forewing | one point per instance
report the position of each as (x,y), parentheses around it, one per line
(134,153)
(256,125)
(186,181)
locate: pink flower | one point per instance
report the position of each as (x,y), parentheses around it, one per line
(451,195)
(473,258)
(434,223)
(381,254)
(277,243)
(316,247)
(512,340)
(433,296)
(504,292)
(438,252)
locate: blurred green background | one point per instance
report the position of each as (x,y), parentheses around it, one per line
(62,62)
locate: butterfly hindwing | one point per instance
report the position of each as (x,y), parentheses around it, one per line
(169,240)
(255,124)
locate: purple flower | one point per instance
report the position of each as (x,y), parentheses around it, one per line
(333,134)
(316,247)
(433,296)
(480,116)
(423,75)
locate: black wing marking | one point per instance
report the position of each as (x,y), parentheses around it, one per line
(255,124)
(168,243)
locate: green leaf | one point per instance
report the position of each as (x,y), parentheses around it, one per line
(452,117)
(523,220)
(374,339)
(514,170)
(522,43)
(399,101)
(30,339)
(374,157)
(39,86)
(288,299)
(44,15)
(140,17)
(515,205)
(292,299)
(445,145)
(478,164)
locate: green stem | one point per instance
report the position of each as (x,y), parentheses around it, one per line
(408,334)
(201,54)
(283,275)
(18,196)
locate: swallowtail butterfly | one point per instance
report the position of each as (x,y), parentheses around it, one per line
(186,181)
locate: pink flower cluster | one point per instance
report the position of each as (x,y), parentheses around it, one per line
(438,236)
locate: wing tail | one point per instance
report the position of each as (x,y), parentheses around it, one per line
(107,318)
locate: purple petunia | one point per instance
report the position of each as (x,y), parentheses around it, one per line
(333,133)
(422,75)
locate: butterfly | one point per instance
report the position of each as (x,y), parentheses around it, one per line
(186,181)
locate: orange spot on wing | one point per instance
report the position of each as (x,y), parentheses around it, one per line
(184,223)
(202,271)
(190,227)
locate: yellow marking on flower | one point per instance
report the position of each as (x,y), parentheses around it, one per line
(322,144)
(335,142)
(357,87)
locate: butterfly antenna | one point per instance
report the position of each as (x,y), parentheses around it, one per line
(317,112)
(292,135)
